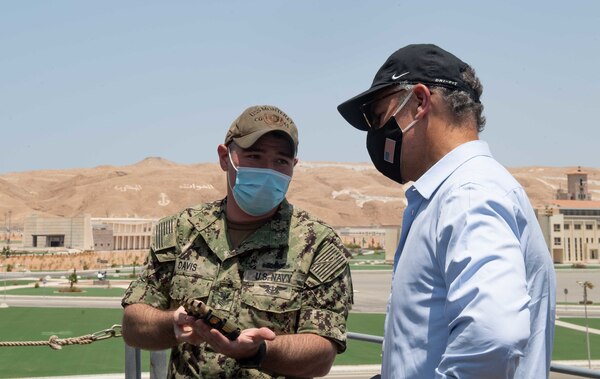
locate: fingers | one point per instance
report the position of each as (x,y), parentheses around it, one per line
(191,330)
(183,327)
(180,317)
(246,345)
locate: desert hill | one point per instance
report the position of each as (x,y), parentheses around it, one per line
(343,194)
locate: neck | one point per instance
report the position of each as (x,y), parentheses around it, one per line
(441,138)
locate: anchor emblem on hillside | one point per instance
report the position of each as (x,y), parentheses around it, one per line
(164,200)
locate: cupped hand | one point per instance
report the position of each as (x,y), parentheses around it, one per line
(246,345)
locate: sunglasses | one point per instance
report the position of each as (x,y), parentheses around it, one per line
(373,114)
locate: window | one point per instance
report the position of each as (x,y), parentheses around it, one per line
(577,226)
(557,227)
(566,226)
(589,226)
(556,241)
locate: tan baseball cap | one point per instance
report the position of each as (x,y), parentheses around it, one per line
(259,120)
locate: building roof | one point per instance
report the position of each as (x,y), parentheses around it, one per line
(575,204)
(577,172)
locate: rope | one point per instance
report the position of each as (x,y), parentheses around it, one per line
(55,343)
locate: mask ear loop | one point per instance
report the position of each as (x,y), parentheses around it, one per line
(232,165)
(231,160)
(404,102)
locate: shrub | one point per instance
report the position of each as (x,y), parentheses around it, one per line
(73,279)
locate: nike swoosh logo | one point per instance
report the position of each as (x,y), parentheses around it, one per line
(394,77)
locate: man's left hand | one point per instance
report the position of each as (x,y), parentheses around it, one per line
(246,345)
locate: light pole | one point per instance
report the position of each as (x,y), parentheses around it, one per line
(4,304)
(585,286)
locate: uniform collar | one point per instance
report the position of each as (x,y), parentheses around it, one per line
(211,225)
(429,182)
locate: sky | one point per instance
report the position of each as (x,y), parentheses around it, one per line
(89,83)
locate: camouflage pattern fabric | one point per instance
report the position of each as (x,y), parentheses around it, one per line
(291,275)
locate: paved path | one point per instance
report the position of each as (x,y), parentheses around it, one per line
(576,327)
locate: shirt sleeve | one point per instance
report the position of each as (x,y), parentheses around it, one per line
(487,298)
(327,296)
(153,284)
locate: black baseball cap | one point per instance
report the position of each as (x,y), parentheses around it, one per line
(420,63)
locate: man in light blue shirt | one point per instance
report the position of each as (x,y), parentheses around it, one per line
(473,290)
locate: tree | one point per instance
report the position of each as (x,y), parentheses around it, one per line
(73,278)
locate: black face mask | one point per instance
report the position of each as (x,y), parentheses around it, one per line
(384,146)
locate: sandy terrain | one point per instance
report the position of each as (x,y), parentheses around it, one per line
(343,194)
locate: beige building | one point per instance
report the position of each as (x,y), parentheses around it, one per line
(87,233)
(384,237)
(577,187)
(127,233)
(57,232)
(572,230)
(571,223)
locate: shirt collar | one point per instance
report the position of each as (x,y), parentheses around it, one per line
(210,224)
(442,169)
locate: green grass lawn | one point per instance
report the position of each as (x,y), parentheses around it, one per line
(360,352)
(592,322)
(378,255)
(355,267)
(16,282)
(53,291)
(107,356)
(571,345)
(39,324)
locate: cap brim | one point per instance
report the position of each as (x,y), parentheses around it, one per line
(350,109)
(248,140)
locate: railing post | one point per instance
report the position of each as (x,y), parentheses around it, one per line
(133,365)
(158,364)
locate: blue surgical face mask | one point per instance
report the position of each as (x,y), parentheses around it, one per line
(257,191)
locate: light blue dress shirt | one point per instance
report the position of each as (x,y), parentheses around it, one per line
(473,290)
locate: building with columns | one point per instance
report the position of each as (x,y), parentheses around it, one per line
(126,233)
(87,233)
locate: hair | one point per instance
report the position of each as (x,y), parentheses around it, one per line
(461,104)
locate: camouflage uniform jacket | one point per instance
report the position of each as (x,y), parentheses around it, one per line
(291,275)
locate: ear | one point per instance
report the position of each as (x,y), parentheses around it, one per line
(423,96)
(223,157)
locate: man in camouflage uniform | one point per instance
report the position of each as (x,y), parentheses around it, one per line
(279,273)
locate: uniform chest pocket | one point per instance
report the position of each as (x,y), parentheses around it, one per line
(274,305)
(190,287)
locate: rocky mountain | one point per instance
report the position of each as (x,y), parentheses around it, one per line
(343,194)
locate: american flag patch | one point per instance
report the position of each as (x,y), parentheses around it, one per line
(388,150)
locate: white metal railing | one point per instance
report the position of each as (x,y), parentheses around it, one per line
(159,359)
